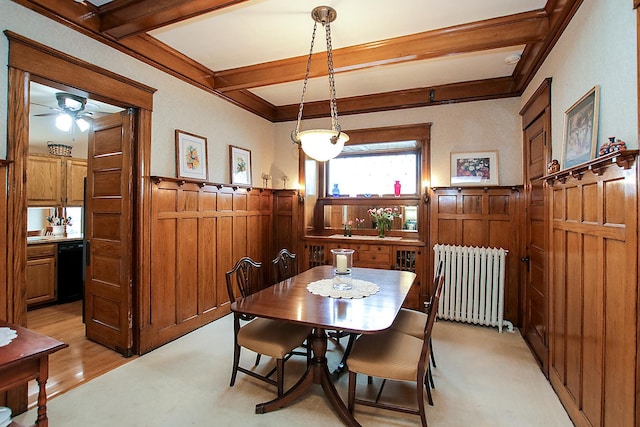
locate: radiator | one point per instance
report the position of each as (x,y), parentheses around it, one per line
(473,289)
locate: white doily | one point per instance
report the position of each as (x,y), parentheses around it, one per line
(6,336)
(360,289)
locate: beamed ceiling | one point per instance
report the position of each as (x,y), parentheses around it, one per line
(387,55)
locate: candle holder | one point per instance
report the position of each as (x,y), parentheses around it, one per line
(342,264)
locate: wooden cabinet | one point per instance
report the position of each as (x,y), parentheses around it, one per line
(41,273)
(55,181)
(388,256)
(44,180)
(76,171)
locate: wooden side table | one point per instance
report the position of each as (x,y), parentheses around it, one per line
(27,358)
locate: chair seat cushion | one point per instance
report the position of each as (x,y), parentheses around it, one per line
(274,338)
(390,354)
(410,322)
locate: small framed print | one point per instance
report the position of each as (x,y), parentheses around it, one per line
(240,165)
(581,130)
(191,156)
(474,168)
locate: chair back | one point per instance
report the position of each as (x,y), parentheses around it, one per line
(439,272)
(246,273)
(428,327)
(285,265)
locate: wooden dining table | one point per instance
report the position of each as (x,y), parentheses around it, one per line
(290,300)
(25,358)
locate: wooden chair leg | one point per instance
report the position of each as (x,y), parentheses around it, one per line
(432,356)
(429,398)
(280,376)
(420,396)
(236,361)
(352,391)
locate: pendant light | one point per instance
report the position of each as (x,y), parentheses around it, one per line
(321,144)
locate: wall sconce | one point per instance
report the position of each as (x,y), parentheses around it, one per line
(426,197)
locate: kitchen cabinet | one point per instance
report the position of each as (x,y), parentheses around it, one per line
(41,274)
(55,180)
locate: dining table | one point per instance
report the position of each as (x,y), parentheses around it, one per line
(292,301)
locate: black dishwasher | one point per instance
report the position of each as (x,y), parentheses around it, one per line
(70,282)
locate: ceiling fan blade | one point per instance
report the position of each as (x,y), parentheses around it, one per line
(46,114)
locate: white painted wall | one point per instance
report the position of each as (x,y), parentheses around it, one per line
(598,47)
(487,125)
(177,105)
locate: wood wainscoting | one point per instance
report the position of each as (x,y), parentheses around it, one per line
(594,290)
(487,217)
(198,232)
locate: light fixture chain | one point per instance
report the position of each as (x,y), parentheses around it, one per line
(306,79)
(332,84)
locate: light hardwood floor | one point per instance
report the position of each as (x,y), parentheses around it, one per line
(82,361)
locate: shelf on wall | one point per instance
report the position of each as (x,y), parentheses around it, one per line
(623,159)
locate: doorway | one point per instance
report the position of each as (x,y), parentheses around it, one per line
(62,315)
(32,61)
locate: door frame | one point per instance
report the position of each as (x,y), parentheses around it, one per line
(30,60)
(537,107)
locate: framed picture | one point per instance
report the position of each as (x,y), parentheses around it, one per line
(240,165)
(474,168)
(581,130)
(191,156)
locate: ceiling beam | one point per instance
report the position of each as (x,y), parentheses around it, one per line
(435,95)
(560,13)
(512,30)
(121,19)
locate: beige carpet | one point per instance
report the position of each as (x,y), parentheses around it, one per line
(483,378)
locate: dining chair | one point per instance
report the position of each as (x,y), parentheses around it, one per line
(274,338)
(395,356)
(412,322)
(285,265)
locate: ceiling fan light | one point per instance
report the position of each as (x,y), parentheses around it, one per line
(64,122)
(316,143)
(83,125)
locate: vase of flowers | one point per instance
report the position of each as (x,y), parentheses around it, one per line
(384,217)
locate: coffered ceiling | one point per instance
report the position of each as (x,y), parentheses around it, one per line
(387,55)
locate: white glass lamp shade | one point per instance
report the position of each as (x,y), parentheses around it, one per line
(316,143)
(82,124)
(64,122)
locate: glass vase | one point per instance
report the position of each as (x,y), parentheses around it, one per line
(396,188)
(381,228)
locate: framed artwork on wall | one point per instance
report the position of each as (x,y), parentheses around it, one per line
(240,165)
(474,168)
(191,156)
(581,130)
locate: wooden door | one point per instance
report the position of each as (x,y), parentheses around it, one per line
(108,231)
(536,317)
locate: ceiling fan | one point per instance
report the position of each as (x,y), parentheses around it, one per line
(70,110)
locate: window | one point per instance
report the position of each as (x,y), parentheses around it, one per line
(374,171)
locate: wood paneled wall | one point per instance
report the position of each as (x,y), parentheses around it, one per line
(198,232)
(594,294)
(4,297)
(487,217)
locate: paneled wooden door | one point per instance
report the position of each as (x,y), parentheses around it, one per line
(109,231)
(536,313)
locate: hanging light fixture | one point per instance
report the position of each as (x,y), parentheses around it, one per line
(71,107)
(321,144)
